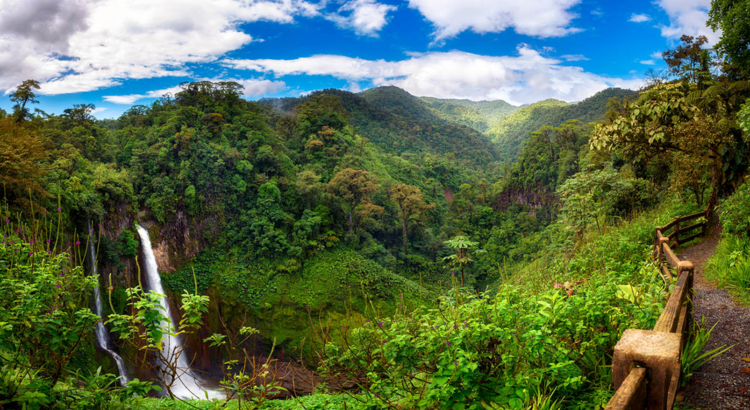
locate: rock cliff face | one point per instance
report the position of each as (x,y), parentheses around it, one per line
(175,242)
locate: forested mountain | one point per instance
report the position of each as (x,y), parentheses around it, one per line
(512,131)
(399,123)
(362,235)
(480,115)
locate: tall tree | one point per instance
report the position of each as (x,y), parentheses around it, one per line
(731,17)
(411,207)
(461,257)
(689,60)
(21,157)
(354,186)
(23,95)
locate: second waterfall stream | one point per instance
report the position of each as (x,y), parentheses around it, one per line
(102,337)
(186,386)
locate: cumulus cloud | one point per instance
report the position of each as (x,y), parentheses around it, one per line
(688,17)
(250,87)
(83,45)
(539,18)
(656,55)
(639,18)
(365,17)
(647,62)
(524,78)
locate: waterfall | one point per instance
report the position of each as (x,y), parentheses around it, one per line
(102,336)
(187,386)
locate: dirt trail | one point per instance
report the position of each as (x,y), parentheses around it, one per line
(720,384)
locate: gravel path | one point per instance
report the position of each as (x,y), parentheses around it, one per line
(723,383)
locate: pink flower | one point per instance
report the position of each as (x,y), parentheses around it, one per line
(78,243)
(57,286)
(59,209)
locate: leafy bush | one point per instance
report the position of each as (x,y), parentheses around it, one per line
(735,211)
(730,265)
(128,245)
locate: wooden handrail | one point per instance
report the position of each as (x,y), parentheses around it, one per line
(632,393)
(671,257)
(670,317)
(693,216)
(653,385)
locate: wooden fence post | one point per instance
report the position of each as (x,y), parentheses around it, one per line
(663,241)
(676,231)
(659,352)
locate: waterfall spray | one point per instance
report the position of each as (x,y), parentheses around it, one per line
(186,387)
(102,336)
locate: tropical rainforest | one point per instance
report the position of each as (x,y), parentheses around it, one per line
(355,250)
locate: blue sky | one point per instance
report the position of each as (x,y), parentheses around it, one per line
(115,53)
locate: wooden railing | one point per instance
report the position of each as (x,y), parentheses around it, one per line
(646,363)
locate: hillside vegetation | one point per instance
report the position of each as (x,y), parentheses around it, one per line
(389,254)
(513,131)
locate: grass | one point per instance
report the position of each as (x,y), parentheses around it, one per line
(729,266)
(318,401)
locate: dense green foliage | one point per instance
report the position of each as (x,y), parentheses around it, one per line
(512,132)
(420,253)
(480,115)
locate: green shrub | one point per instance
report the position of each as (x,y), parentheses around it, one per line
(128,245)
(730,265)
(735,211)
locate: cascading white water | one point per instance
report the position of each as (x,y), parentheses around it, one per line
(186,386)
(102,336)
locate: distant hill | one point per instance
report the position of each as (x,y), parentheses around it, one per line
(401,103)
(511,132)
(400,123)
(480,115)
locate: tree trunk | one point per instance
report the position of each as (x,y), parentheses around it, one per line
(403,227)
(351,220)
(462,276)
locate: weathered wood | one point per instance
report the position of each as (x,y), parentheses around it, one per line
(659,352)
(693,216)
(691,237)
(669,225)
(691,227)
(654,384)
(671,257)
(682,325)
(669,318)
(632,393)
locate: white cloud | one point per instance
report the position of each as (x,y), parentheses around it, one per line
(639,18)
(574,57)
(647,62)
(250,87)
(540,18)
(366,17)
(83,45)
(525,78)
(688,17)
(656,55)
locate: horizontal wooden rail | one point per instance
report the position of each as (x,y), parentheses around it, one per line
(670,317)
(671,257)
(646,363)
(693,216)
(632,393)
